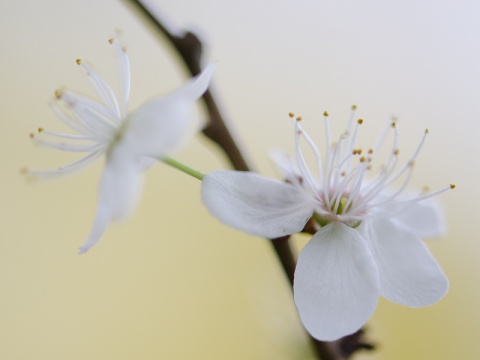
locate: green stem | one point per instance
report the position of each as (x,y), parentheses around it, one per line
(182,167)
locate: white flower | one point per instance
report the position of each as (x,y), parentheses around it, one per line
(130,141)
(367,241)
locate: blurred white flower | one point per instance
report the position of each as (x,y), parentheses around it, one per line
(367,241)
(130,141)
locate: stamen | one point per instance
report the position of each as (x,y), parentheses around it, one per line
(103,90)
(69,147)
(305,172)
(317,154)
(124,68)
(66,169)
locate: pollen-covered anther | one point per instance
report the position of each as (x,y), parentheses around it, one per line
(363,159)
(298,118)
(40,129)
(370,151)
(58,94)
(360,121)
(426,131)
(394,124)
(354,107)
(111,41)
(291,114)
(452,186)
(78,61)
(396,152)
(325,113)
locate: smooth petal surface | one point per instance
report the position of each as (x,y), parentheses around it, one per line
(161,125)
(409,275)
(118,194)
(336,283)
(425,219)
(256,204)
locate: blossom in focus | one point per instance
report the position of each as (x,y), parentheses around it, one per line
(367,234)
(130,141)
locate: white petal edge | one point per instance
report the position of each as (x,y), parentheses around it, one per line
(163,124)
(409,275)
(336,283)
(255,204)
(118,195)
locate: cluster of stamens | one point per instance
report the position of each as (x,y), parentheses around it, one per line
(340,185)
(96,123)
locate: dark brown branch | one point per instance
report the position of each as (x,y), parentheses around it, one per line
(189,49)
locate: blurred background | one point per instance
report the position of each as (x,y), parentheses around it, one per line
(172,282)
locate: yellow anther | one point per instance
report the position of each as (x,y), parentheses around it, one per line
(292,115)
(394,124)
(396,152)
(111,40)
(426,131)
(359,151)
(362,159)
(354,107)
(343,173)
(370,151)
(354,152)
(40,129)
(58,94)
(78,61)
(32,135)
(325,113)
(298,118)
(452,186)
(360,121)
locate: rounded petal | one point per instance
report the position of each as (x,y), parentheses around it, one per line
(336,283)
(409,275)
(118,194)
(256,204)
(161,125)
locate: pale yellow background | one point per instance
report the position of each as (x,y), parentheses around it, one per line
(172,282)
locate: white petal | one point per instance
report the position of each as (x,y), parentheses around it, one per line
(425,219)
(336,283)
(256,204)
(409,275)
(161,125)
(285,166)
(118,194)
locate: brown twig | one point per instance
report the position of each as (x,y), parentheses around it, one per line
(189,49)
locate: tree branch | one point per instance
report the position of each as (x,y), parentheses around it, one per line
(189,49)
